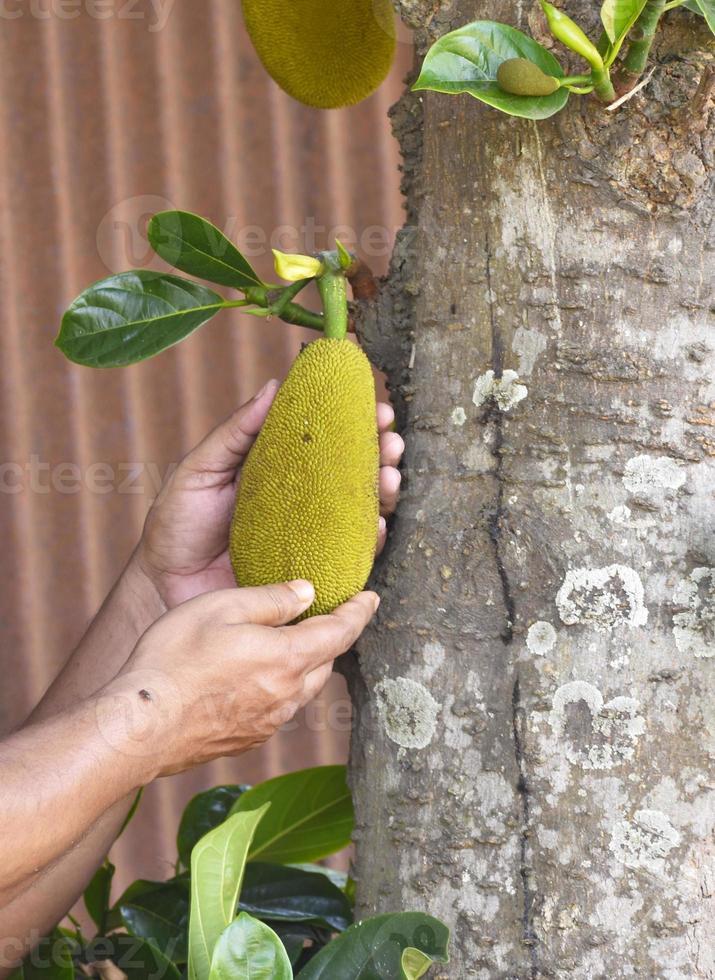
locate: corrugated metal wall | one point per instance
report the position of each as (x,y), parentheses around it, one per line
(108,112)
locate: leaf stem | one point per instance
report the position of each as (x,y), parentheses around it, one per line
(602,84)
(642,36)
(289,312)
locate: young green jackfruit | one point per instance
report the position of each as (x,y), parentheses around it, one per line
(325,53)
(519,76)
(307,501)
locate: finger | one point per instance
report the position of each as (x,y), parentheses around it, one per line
(321,639)
(390,480)
(381,535)
(315,681)
(392,447)
(224,449)
(269,605)
(385,416)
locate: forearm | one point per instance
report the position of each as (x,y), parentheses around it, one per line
(60,777)
(46,891)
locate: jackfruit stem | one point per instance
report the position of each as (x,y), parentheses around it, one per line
(334,294)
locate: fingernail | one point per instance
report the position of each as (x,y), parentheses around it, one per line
(304,590)
(376,600)
(265,389)
(382,524)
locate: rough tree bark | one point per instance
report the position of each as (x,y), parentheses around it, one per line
(533,721)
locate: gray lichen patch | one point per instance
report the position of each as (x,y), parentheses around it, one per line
(596,735)
(458,416)
(645,841)
(505,391)
(652,477)
(694,626)
(408,711)
(540,638)
(602,598)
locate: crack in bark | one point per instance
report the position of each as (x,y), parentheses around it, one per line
(530,938)
(496,525)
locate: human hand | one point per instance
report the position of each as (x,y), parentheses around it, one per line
(184,547)
(221,673)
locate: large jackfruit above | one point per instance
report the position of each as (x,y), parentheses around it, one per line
(325,53)
(307,501)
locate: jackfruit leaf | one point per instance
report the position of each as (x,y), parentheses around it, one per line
(274,891)
(202,813)
(97,895)
(141,960)
(338,878)
(706,9)
(467,60)
(618,16)
(311,816)
(192,244)
(217,865)
(158,911)
(132,316)
(372,949)
(51,959)
(249,950)
(414,963)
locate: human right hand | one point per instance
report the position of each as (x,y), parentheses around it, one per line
(222,672)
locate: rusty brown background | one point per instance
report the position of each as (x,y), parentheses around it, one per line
(104,119)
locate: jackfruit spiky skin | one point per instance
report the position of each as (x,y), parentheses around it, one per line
(325,53)
(307,501)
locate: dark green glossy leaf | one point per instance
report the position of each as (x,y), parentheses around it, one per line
(141,960)
(158,911)
(273,891)
(194,245)
(301,939)
(51,959)
(217,866)
(338,878)
(372,949)
(204,812)
(311,815)
(97,894)
(250,950)
(467,60)
(134,315)
(706,9)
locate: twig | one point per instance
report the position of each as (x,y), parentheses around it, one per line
(629,95)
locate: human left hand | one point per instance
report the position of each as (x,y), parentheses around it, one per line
(184,547)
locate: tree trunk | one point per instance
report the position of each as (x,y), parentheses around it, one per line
(532,716)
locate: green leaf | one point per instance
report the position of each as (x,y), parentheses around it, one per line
(706,8)
(338,878)
(372,949)
(204,812)
(158,911)
(311,816)
(217,865)
(134,315)
(414,963)
(250,950)
(618,16)
(51,959)
(194,245)
(467,60)
(141,960)
(97,894)
(273,891)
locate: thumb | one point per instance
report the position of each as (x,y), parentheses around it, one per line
(275,605)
